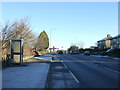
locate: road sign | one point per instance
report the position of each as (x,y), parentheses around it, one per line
(53,48)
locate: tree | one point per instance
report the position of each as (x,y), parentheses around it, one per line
(73,47)
(18,29)
(42,42)
(80,44)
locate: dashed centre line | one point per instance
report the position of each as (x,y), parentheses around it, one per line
(71,73)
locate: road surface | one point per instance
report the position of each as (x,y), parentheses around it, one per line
(91,71)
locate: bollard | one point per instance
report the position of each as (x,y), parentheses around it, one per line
(52,58)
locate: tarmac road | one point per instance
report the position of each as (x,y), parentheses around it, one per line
(92,72)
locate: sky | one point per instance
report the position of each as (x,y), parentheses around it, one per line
(67,23)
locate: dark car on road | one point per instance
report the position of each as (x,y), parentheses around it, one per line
(109,50)
(95,53)
(87,53)
(74,52)
(103,53)
(60,52)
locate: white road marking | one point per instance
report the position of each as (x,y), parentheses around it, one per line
(96,64)
(71,73)
(74,76)
(111,70)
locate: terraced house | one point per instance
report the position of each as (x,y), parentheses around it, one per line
(115,42)
(105,42)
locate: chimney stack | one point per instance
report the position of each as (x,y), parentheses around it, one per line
(108,35)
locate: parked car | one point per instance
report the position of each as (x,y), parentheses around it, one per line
(103,53)
(87,53)
(95,53)
(74,52)
(109,51)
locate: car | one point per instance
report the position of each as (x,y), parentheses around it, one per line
(60,52)
(95,53)
(87,53)
(103,53)
(74,52)
(71,52)
(109,51)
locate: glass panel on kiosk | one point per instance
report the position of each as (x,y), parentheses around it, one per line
(16,45)
(17,51)
(16,58)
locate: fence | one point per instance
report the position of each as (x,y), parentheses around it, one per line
(6,61)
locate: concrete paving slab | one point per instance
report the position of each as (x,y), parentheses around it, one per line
(31,76)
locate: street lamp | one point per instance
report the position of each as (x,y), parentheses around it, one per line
(51,38)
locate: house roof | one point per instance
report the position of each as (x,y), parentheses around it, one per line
(106,38)
(109,38)
(116,36)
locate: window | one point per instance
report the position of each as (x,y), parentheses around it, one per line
(118,46)
(118,39)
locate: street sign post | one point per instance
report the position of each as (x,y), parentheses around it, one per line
(16,51)
(53,49)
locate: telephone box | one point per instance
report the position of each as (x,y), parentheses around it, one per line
(16,51)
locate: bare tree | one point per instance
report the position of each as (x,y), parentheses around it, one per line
(18,29)
(80,44)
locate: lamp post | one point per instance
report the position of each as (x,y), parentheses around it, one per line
(51,38)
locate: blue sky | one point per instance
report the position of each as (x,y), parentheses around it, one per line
(69,22)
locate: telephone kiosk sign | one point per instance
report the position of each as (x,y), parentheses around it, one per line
(17,51)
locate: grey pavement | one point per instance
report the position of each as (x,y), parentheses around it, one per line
(31,75)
